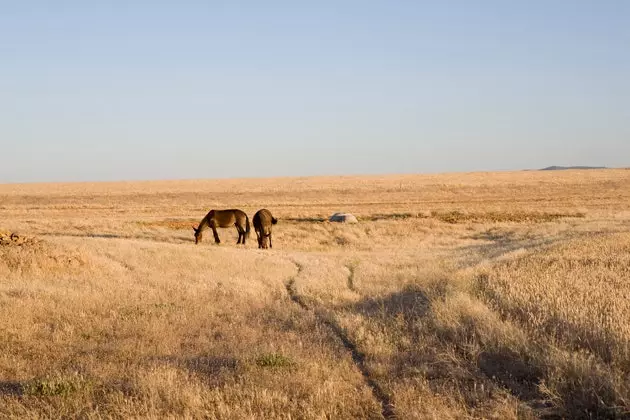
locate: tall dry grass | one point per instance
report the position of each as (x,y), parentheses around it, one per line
(485,295)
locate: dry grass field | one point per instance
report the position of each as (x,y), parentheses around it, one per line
(477,295)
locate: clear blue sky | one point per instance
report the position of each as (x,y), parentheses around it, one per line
(161,90)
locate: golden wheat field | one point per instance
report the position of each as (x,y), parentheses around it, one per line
(476,295)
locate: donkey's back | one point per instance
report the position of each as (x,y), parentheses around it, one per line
(228,218)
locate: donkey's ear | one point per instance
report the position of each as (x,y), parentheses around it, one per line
(195,229)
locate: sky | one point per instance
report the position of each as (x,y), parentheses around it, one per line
(128,90)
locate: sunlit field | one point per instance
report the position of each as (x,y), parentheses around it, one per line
(473,295)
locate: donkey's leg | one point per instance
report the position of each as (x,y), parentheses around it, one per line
(242,228)
(214,232)
(258,238)
(270,246)
(265,242)
(240,233)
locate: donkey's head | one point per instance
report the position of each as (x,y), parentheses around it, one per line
(198,234)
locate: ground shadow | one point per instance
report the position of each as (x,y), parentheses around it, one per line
(11,388)
(410,303)
(304,219)
(502,243)
(512,371)
(370,218)
(173,239)
(93,235)
(391,216)
(422,346)
(213,370)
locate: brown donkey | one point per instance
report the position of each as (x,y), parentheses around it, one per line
(224,219)
(262,225)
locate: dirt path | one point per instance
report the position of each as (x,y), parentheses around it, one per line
(326,318)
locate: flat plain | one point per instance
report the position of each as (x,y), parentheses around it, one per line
(471,295)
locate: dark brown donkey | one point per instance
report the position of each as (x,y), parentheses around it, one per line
(262,225)
(224,219)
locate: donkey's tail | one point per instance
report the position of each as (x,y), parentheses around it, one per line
(274,220)
(247,228)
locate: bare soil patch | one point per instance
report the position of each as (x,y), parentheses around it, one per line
(20,254)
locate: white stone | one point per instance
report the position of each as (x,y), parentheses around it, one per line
(343,218)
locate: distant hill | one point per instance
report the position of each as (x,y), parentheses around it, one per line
(562,168)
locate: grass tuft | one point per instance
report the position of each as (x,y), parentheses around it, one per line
(274,360)
(54,386)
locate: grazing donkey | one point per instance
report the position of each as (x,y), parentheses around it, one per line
(224,219)
(262,225)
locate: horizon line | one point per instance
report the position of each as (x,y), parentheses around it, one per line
(384,174)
